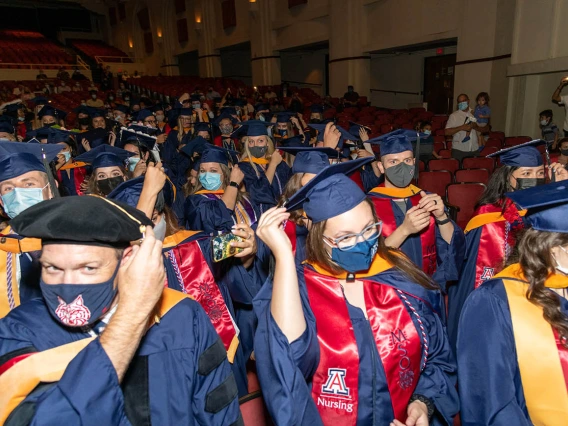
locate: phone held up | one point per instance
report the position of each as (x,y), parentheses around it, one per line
(221,246)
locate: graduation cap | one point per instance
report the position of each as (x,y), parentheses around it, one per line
(225,115)
(239,103)
(309,161)
(355,127)
(142,128)
(157,107)
(316,108)
(230,110)
(195,98)
(6,127)
(523,155)
(105,156)
(19,158)
(13,108)
(320,127)
(197,144)
(143,114)
(40,100)
(397,141)
(215,154)
(83,109)
(122,108)
(132,134)
(57,135)
(284,117)
(261,107)
(41,133)
(293,142)
(330,193)
(183,111)
(54,112)
(252,128)
(88,220)
(96,137)
(128,192)
(96,112)
(547,206)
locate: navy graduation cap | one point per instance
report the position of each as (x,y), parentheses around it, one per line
(143,114)
(195,145)
(294,142)
(41,133)
(320,127)
(105,156)
(142,128)
(330,193)
(312,161)
(18,158)
(134,133)
(316,108)
(6,127)
(354,129)
(202,127)
(13,108)
(261,107)
(524,155)
(96,137)
(222,116)
(122,108)
(397,141)
(57,135)
(252,128)
(54,112)
(284,117)
(40,100)
(230,110)
(329,152)
(82,109)
(96,112)
(547,206)
(215,154)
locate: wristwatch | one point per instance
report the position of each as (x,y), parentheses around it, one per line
(443,222)
(235,184)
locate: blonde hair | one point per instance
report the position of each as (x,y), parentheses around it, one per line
(245,152)
(180,128)
(188,189)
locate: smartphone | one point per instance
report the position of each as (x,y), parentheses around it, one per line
(221,246)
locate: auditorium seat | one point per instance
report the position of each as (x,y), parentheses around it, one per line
(479,163)
(30,47)
(472,175)
(462,197)
(435,181)
(488,150)
(494,142)
(450,164)
(516,140)
(445,153)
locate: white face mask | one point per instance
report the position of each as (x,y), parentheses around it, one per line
(543,122)
(562,269)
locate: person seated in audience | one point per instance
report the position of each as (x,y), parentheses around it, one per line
(77,87)
(296,104)
(63,87)
(265,173)
(136,75)
(285,124)
(548,129)
(41,75)
(95,102)
(562,155)
(351,97)
(225,122)
(462,128)
(414,221)
(270,94)
(212,94)
(426,145)
(62,74)
(114,345)
(77,75)
(512,348)
(24,182)
(108,166)
(491,235)
(342,337)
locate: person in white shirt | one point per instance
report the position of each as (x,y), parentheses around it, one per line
(459,126)
(562,100)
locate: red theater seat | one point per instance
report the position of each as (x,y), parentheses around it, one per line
(464,196)
(472,175)
(435,181)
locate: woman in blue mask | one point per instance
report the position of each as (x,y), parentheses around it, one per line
(354,338)
(217,201)
(265,173)
(138,162)
(72,175)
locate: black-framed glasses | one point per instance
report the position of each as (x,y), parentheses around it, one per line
(347,242)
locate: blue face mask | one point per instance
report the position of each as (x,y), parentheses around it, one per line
(67,155)
(19,199)
(428,132)
(359,258)
(79,305)
(462,106)
(210,181)
(132,162)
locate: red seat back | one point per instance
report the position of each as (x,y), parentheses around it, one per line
(254,411)
(464,196)
(435,181)
(472,175)
(445,153)
(450,164)
(479,163)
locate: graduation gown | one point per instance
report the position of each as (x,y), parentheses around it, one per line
(369,178)
(512,369)
(490,238)
(71,176)
(428,250)
(288,371)
(169,148)
(263,193)
(19,270)
(190,269)
(179,374)
(206,211)
(297,235)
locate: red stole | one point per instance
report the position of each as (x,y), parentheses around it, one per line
(290,230)
(495,242)
(197,280)
(78,173)
(384,209)
(336,381)
(356,177)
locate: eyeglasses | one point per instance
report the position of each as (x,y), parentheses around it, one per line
(347,242)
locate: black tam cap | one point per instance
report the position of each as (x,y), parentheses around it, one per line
(71,220)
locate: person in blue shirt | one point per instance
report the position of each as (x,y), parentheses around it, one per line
(352,338)
(109,345)
(482,114)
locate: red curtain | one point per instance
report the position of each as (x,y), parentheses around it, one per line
(292,3)
(229,14)
(179,6)
(183,36)
(121,11)
(112,16)
(148,42)
(144,19)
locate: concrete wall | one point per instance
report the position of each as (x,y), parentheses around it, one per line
(308,67)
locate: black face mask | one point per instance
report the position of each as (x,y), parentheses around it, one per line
(315,121)
(564,152)
(106,186)
(84,121)
(525,183)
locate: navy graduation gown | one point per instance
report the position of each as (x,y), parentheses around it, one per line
(449,256)
(165,370)
(285,369)
(263,193)
(490,384)
(369,178)
(169,148)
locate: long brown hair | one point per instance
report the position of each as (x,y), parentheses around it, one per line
(92,187)
(316,253)
(293,185)
(537,262)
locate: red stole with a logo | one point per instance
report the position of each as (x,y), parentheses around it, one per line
(384,209)
(336,381)
(496,241)
(196,279)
